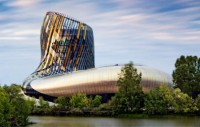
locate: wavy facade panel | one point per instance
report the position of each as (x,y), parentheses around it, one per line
(66,45)
(67,63)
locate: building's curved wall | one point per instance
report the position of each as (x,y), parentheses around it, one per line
(96,81)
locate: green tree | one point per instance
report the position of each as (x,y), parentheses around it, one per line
(32,103)
(43,104)
(14,109)
(183,102)
(22,110)
(96,101)
(168,96)
(186,75)
(62,102)
(155,102)
(130,95)
(197,101)
(14,91)
(161,100)
(44,107)
(79,100)
(6,109)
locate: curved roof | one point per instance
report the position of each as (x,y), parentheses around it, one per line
(96,81)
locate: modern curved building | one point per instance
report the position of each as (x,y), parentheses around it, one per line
(67,63)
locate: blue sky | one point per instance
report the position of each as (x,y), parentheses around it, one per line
(153,33)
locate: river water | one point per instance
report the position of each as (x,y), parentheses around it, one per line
(49,121)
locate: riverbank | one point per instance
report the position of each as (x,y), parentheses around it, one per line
(91,113)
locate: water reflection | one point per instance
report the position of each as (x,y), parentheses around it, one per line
(44,121)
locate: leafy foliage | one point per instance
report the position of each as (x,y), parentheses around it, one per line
(130,95)
(197,101)
(43,103)
(96,101)
(183,102)
(62,102)
(79,101)
(186,75)
(156,101)
(164,99)
(6,109)
(14,109)
(44,106)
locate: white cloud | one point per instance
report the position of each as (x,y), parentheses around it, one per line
(23,3)
(2,16)
(12,38)
(31,32)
